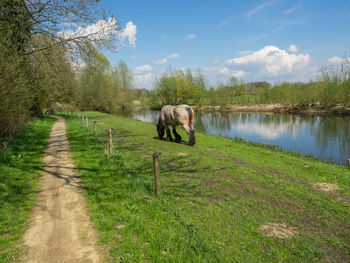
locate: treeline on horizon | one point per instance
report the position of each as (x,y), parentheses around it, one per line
(40,71)
(177,86)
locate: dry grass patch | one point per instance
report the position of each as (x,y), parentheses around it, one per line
(119,226)
(279,230)
(327,187)
(183,154)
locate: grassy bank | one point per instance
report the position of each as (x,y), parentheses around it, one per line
(20,165)
(219,198)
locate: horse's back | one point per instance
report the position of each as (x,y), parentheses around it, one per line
(167,114)
(175,115)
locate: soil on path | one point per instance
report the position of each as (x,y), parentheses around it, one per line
(60,229)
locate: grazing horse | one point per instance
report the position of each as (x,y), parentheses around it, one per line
(173,116)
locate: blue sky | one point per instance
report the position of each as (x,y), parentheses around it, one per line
(274,40)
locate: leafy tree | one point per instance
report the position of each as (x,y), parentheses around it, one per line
(176,87)
(125,75)
(16,84)
(166,89)
(34,69)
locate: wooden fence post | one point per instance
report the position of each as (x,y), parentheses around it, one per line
(156,173)
(349,163)
(95,132)
(87,122)
(110,144)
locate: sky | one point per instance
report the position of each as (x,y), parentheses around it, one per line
(273,40)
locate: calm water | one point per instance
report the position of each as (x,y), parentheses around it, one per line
(326,137)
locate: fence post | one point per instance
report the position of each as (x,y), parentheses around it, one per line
(110,144)
(349,163)
(156,173)
(87,122)
(82,119)
(95,132)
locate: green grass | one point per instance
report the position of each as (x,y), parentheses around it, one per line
(20,165)
(214,201)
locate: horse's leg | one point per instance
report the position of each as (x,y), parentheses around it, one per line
(160,129)
(168,133)
(190,131)
(177,136)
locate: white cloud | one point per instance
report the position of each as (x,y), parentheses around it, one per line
(293,49)
(191,36)
(165,60)
(222,70)
(101,30)
(221,73)
(142,69)
(286,23)
(214,61)
(143,76)
(175,55)
(253,39)
(255,10)
(129,32)
(335,60)
(292,9)
(270,61)
(244,52)
(144,79)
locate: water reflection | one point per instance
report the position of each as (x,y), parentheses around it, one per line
(326,137)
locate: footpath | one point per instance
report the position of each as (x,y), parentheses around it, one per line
(60,229)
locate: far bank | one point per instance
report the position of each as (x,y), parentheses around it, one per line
(311,109)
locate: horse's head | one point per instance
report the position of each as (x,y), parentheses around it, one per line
(192,139)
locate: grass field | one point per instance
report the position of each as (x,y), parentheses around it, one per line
(20,165)
(219,199)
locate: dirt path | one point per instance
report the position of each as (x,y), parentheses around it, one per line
(60,229)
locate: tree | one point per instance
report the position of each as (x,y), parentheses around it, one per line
(56,18)
(166,89)
(189,86)
(94,81)
(125,75)
(16,82)
(36,38)
(53,74)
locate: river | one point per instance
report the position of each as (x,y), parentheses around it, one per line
(325,137)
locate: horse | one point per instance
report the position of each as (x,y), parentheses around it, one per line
(174,116)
